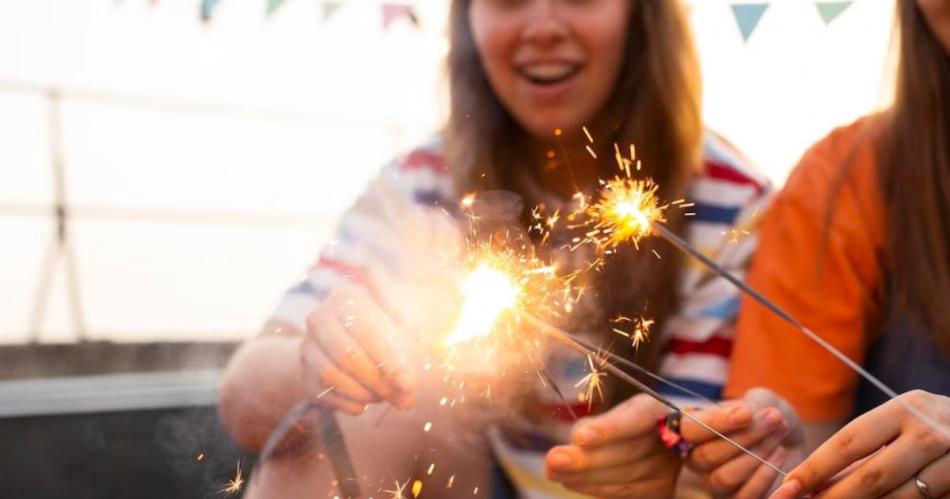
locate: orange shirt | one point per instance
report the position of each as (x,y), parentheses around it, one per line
(831,281)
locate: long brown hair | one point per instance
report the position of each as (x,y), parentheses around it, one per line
(914,166)
(655,105)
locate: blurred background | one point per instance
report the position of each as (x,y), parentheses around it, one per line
(169,167)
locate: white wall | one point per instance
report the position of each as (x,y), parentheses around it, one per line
(205,163)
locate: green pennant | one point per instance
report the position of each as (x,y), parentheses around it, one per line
(273,5)
(748,16)
(829,11)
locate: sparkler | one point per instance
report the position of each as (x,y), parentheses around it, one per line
(333,442)
(503,284)
(629,210)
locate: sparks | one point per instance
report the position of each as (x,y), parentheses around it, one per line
(594,381)
(416,488)
(399,492)
(487,292)
(501,283)
(640,331)
(234,485)
(626,212)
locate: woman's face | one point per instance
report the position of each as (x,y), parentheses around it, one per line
(937,13)
(552,63)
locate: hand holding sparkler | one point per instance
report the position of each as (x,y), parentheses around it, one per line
(348,356)
(760,421)
(617,454)
(886,452)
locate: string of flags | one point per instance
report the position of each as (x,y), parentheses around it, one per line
(748,14)
(390,11)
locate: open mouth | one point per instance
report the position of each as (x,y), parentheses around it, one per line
(548,73)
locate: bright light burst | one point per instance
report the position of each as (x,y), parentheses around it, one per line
(487,292)
(502,283)
(625,212)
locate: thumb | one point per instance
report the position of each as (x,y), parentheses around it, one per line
(634,417)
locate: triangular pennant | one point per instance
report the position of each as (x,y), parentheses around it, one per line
(207,6)
(829,11)
(273,5)
(748,16)
(328,7)
(393,11)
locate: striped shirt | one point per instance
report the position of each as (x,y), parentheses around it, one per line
(386,241)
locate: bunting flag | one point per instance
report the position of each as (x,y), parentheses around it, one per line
(207,6)
(328,7)
(748,16)
(273,5)
(393,11)
(829,11)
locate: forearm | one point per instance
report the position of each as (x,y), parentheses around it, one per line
(260,384)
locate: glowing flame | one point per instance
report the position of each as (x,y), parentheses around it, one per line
(627,210)
(487,292)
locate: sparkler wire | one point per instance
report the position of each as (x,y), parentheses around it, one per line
(642,370)
(333,442)
(568,340)
(682,245)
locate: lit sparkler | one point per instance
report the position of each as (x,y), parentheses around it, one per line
(515,273)
(629,210)
(626,212)
(487,292)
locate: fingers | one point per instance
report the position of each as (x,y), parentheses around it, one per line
(347,335)
(764,477)
(888,469)
(726,420)
(373,330)
(350,358)
(564,460)
(738,472)
(936,476)
(857,439)
(634,417)
(713,454)
(330,386)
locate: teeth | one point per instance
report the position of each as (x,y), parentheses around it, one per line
(547,72)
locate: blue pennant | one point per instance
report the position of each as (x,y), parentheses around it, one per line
(748,16)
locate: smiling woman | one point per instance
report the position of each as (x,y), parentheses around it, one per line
(541,92)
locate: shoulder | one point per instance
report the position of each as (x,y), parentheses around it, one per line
(726,185)
(847,154)
(725,163)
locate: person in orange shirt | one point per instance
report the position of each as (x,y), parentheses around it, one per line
(857,247)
